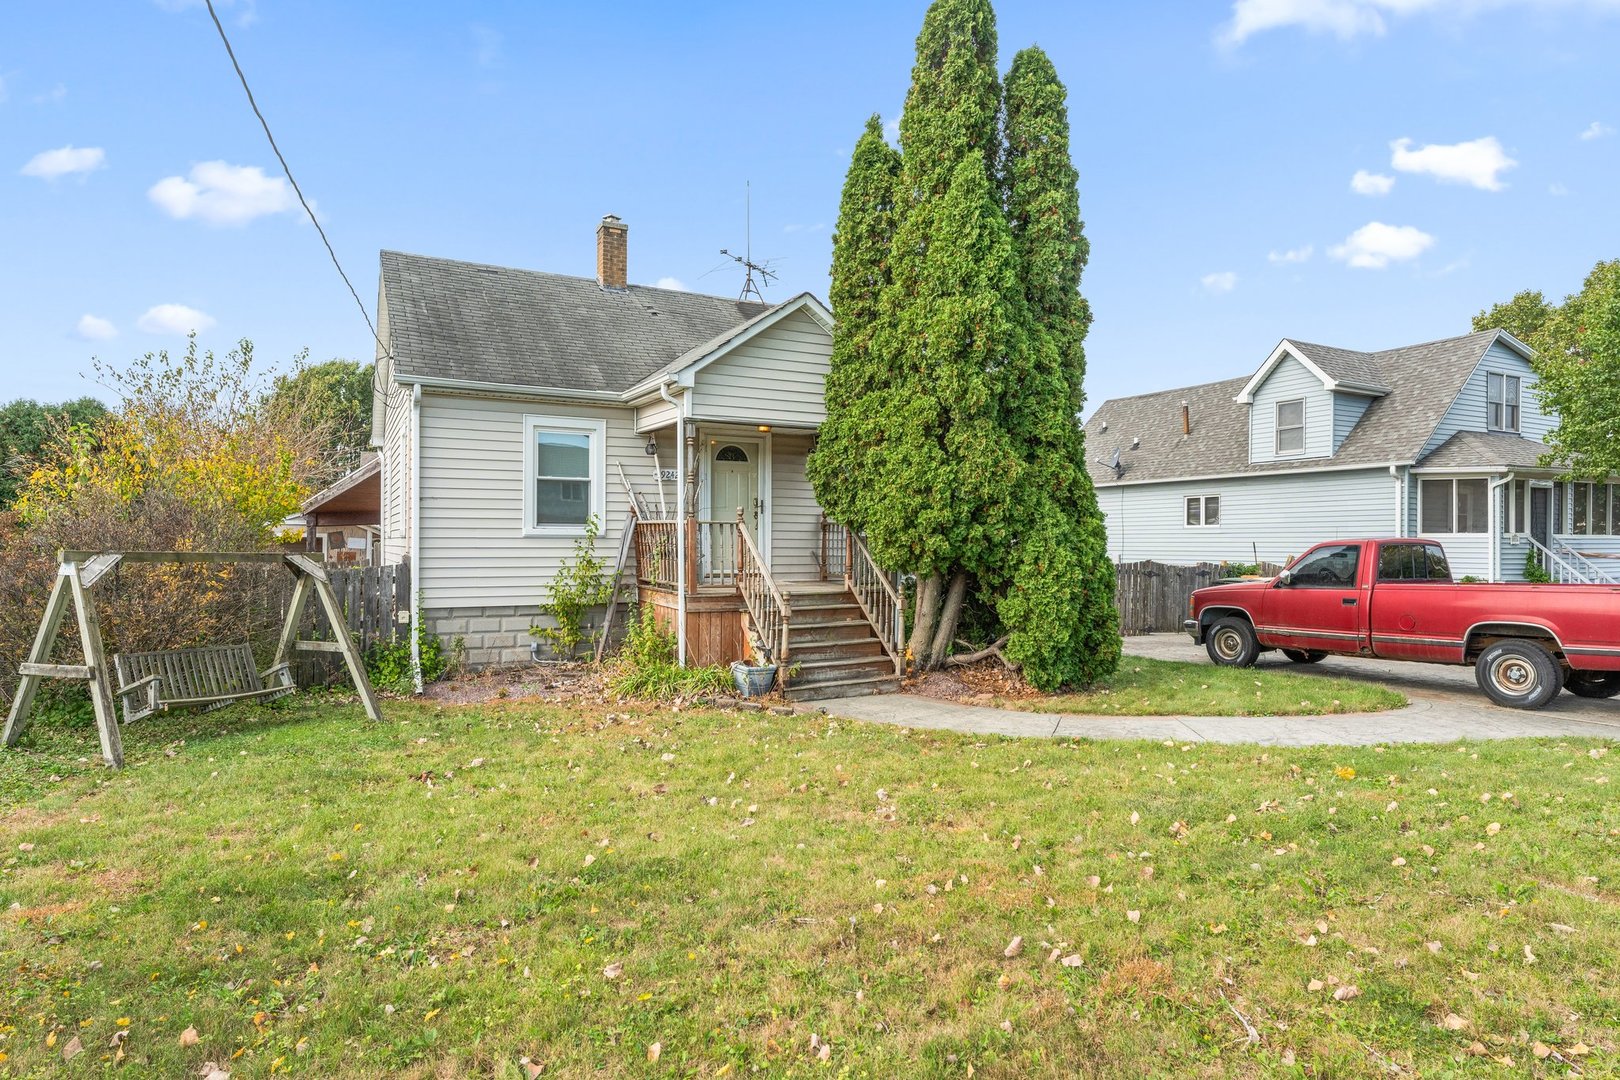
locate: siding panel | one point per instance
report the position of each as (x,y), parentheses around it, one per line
(1287,381)
(1467,412)
(796,517)
(775,378)
(1266,517)
(1347,412)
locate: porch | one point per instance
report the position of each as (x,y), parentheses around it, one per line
(833,633)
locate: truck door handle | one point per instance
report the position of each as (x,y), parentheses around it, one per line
(1349,601)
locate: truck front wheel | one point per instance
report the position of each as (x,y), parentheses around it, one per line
(1518,674)
(1593,684)
(1231,643)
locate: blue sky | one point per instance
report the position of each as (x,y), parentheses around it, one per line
(1217,145)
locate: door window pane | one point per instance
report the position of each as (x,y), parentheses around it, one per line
(1436,498)
(1328,568)
(1473,509)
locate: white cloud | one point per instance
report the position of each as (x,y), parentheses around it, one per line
(69,160)
(1558,189)
(1596,130)
(1215,284)
(1347,19)
(673,283)
(1376,245)
(1477,162)
(1367,183)
(174,319)
(1292,255)
(95,328)
(52,96)
(891,130)
(223,194)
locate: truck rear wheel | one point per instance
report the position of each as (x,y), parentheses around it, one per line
(1593,684)
(1305,656)
(1231,643)
(1518,674)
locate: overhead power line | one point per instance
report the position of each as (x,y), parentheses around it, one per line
(287,171)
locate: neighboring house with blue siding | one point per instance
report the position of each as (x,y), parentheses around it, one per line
(1442,440)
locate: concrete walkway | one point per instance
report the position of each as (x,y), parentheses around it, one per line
(1445,706)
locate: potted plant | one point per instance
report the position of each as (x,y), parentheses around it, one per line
(754,679)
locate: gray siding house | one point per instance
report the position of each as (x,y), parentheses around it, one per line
(515,406)
(1442,440)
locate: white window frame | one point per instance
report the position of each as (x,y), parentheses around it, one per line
(1451,482)
(1500,405)
(1304,416)
(1203,511)
(573,425)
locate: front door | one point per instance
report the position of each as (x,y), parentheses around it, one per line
(735,466)
(1541,515)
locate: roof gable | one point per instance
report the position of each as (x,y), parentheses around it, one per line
(1337,369)
(1422,380)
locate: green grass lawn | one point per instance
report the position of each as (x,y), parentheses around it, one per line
(1146,687)
(455,890)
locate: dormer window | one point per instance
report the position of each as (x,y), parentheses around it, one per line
(1501,402)
(1291,426)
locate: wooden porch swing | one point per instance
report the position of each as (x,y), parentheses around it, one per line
(207,678)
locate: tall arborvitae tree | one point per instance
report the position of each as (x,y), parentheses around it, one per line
(952,325)
(841,464)
(1058,604)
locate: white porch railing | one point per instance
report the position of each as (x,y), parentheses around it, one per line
(1562,571)
(1589,567)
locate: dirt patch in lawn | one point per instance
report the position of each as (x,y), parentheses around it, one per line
(550,683)
(984,683)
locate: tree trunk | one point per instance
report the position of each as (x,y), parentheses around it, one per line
(950,614)
(925,608)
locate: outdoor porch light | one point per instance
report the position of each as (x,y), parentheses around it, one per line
(765,427)
(652,446)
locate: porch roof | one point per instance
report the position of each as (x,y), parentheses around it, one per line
(1498,451)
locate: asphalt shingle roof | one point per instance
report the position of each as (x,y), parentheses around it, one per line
(491,324)
(1422,380)
(1468,449)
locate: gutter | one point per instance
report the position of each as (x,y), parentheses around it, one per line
(416,537)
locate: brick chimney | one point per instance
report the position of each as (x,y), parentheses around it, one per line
(612,253)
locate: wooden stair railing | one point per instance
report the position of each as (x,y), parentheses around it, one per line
(768,608)
(877,596)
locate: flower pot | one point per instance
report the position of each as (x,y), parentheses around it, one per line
(753,681)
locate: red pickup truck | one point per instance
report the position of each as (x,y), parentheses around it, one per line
(1395,600)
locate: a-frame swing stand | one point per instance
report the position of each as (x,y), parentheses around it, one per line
(76,580)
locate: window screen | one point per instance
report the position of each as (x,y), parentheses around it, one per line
(562,481)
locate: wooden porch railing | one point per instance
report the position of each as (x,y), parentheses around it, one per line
(768,608)
(716,556)
(876,594)
(657,556)
(833,557)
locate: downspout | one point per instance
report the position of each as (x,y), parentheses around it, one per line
(681,409)
(1496,532)
(416,537)
(1400,500)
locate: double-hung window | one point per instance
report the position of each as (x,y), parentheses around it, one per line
(1203,511)
(563,463)
(1291,426)
(1501,401)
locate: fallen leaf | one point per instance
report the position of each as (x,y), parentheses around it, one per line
(72,1049)
(1135,817)
(1397,861)
(654,1051)
(1529,957)
(1453,1022)
(189,1037)
(1541,1050)
(1314,985)
(1433,946)
(1493,828)
(1014,947)
(613,970)
(1134,916)
(1072,961)
(1580,1049)
(1561,928)
(1093,881)
(1347,992)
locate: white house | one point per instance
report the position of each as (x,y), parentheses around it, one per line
(1442,440)
(515,406)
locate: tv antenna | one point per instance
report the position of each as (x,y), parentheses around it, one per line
(746,259)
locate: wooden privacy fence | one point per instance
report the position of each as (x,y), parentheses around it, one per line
(376,603)
(1152,597)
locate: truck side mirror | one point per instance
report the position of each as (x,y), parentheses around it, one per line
(1285,578)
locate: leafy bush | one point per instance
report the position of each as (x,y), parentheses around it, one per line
(646,667)
(1470,579)
(1240,569)
(581,585)
(388,663)
(1533,572)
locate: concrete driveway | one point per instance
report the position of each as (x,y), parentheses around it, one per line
(1445,706)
